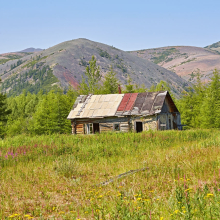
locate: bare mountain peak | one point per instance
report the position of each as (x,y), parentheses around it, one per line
(30,50)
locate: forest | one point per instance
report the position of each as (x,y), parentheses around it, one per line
(45,112)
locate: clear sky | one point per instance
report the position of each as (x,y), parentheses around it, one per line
(125,24)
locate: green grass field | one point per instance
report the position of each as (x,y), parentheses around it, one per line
(57,176)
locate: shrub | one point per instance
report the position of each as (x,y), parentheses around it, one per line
(66,165)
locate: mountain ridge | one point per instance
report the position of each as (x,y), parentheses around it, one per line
(30,50)
(67,62)
(185,61)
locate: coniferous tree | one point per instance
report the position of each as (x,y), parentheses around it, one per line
(211,101)
(129,88)
(4,112)
(110,84)
(190,103)
(83,87)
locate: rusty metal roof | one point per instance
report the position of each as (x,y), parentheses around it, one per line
(96,106)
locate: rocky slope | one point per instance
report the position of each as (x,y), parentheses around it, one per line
(67,61)
(185,61)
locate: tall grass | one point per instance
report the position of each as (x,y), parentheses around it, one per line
(58,176)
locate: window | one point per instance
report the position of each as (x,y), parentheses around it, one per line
(89,128)
(116,127)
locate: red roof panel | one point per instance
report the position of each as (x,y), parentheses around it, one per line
(131,102)
(124,102)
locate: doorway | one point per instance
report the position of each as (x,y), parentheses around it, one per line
(139,126)
(96,128)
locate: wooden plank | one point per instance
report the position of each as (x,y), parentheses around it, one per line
(104,127)
(79,129)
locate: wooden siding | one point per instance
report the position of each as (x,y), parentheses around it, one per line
(124,127)
(79,129)
(105,127)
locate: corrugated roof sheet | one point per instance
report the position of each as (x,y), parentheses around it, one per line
(96,106)
(90,106)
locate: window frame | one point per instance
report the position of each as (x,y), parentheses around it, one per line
(89,126)
(119,126)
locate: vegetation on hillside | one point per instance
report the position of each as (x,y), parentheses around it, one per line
(32,81)
(9,57)
(215,45)
(164,55)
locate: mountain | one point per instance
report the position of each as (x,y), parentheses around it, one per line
(64,64)
(185,61)
(215,47)
(30,50)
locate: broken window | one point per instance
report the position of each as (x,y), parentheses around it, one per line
(116,127)
(89,128)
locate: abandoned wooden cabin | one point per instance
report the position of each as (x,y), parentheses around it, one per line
(124,112)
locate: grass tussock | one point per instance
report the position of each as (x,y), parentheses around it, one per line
(57,176)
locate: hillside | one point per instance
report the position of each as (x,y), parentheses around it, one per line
(185,61)
(215,47)
(4,58)
(64,64)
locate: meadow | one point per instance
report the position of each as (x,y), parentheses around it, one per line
(58,176)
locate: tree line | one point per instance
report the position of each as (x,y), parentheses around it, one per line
(46,112)
(200,106)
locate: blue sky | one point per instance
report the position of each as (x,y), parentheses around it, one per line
(127,25)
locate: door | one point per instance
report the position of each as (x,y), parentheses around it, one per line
(139,126)
(96,128)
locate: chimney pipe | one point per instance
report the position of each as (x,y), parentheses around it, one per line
(119,89)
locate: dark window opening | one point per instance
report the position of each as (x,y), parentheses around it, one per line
(95,128)
(139,127)
(169,124)
(84,129)
(116,127)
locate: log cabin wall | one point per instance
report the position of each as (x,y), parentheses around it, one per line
(148,122)
(79,128)
(105,124)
